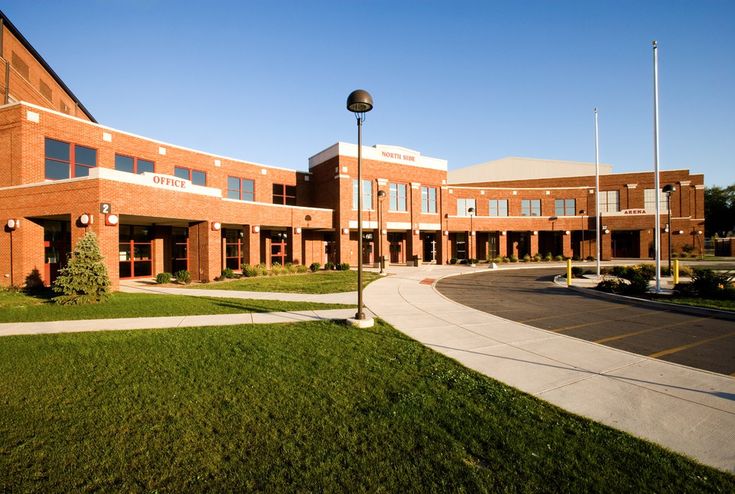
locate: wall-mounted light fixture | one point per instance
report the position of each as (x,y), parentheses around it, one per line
(256,229)
(345,231)
(297,230)
(503,232)
(86,219)
(13,224)
(567,232)
(535,232)
(216,226)
(112,220)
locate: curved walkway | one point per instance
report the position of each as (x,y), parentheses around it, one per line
(684,409)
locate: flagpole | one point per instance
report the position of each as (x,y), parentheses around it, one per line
(597,196)
(657,187)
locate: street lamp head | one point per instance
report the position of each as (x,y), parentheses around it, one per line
(471,211)
(359,101)
(668,189)
(381,194)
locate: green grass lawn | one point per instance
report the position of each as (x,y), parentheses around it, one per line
(703,302)
(319,282)
(18,307)
(307,407)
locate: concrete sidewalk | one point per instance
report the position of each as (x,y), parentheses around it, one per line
(684,409)
(122,324)
(137,286)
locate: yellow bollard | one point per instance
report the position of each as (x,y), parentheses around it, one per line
(676,272)
(569,272)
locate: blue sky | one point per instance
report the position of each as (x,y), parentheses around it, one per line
(464,81)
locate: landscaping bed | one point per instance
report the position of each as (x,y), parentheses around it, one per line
(317,282)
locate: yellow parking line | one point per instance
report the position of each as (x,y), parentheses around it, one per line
(567,315)
(690,345)
(644,331)
(594,323)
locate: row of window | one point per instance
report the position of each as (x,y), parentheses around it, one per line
(68,160)
(398,200)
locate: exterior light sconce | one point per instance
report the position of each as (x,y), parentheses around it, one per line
(666,229)
(384,231)
(112,220)
(503,233)
(607,230)
(216,226)
(256,229)
(345,231)
(681,232)
(297,230)
(535,232)
(416,232)
(13,224)
(241,234)
(473,233)
(567,232)
(699,232)
(86,219)
(446,233)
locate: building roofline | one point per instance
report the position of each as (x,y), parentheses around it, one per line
(7,23)
(474,185)
(156,141)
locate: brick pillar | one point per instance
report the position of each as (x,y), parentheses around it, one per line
(251,246)
(414,246)
(567,245)
(534,244)
(502,245)
(205,251)
(345,249)
(646,244)
(297,246)
(472,254)
(606,247)
(28,252)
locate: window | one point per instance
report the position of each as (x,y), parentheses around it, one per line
(464,205)
(45,90)
(65,160)
(197,177)
(398,197)
(132,165)
(565,207)
(19,64)
(284,194)
(498,207)
(242,189)
(531,207)
(428,199)
(367,194)
(649,197)
(609,201)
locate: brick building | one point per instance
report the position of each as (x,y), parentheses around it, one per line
(160,207)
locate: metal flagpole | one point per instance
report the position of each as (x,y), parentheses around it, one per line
(657,187)
(597,197)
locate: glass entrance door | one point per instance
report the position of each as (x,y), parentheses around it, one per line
(136,251)
(57,245)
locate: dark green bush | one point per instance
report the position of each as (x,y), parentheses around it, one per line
(183,276)
(163,278)
(453,260)
(526,258)
(577,272)
(228,273)
(712,284)
(632,280)
(345,266)
(329,265)
(84,280)
(558,258)
(314,267)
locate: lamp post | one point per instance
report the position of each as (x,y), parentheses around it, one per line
(581,249)
(359,102)
(668,190)
(381,196)
(472,213)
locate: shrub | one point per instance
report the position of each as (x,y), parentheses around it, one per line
(536,258)
(712,284)
(84,280)
(674,255)
(498,260)
(558,258)
(513,258)
(693,255)
(163,278)
(453,260)
(471,261)
(228,273)
(688,249)
(183,276)
(632,280)
(577,272)
(289,267)
(34,282)
(590,258)
(314,267)
(608,285)
(277,269)
(548,256)
(329,265)
(506,259)
(249,271)
(301,268)
(526,258)
(345,266)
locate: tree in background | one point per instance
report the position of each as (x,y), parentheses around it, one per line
(84,280)
(719,210)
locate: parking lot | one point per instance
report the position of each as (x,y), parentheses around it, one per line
(529,296)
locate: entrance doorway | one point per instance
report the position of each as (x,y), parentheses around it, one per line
(396,241)
(57,245)
(367,247)
(429,247)
(626,244)
(279,248)
(179,249)
(136,251)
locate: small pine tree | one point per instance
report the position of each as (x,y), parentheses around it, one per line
(84,280)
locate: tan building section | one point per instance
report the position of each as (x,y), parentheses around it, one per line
(515,168)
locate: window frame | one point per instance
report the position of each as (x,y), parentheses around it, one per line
(367,194)
(465,211)
(605,201)
(428,204)
(497,208)
(190,174)
(531,203)
(564,208)
(71,163)
(135,164)
(395,196)
(240,190)
(284,195)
